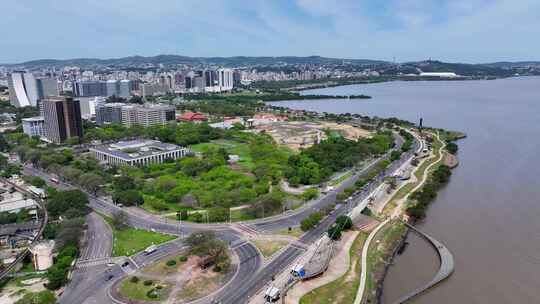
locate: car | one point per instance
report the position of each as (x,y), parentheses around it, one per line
(110,264)
(125,263)
(150,249)
(109,277)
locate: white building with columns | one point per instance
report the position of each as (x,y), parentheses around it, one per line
(138,152)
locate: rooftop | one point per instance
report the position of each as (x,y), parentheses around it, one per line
(37,118)
(134,149)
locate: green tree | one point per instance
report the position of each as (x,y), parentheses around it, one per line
(310,194)
(91,181)
(69,233)
(128,198)
(120,220)
(334,232)
(452,147)
(344,222)
(63,201)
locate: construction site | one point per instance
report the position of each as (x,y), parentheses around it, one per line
(303,134)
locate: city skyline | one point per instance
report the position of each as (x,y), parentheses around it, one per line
(457,31)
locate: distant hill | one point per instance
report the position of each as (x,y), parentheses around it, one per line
(288,63)
(458,68)
(178,59)
(517,64)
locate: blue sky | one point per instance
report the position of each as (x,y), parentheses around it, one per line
(456,30)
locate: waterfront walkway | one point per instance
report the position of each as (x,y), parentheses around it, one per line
(445,270)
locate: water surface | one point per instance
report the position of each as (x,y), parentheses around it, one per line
(488,215)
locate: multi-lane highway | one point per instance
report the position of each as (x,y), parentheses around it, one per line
(92,278)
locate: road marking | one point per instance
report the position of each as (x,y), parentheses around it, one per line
(132,260)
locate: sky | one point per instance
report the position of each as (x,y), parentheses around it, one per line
(473,31)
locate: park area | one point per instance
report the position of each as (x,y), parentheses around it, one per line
(236,175)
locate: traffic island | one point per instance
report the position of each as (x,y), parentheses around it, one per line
(178,279)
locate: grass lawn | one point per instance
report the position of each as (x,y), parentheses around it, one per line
(138,291)
(199,287)
(162,268)
(129,241)
(269,247)
(380,247)
(232,147)
(240,215)
(148,206)
(295,232)
(343,290)
(340,179)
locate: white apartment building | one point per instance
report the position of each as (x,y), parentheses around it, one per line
(33,126)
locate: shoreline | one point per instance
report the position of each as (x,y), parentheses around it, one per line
(333,83)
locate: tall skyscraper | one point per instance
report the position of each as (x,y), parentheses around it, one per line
(125,88)
(25,90)
(62,118)
(225,79)
(89,88)
(113,88)
(47,87)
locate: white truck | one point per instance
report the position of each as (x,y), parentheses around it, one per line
(272,294)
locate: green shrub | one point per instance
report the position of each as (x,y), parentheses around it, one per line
(152,293)
(148,282)
(183,258)
(171,263)
(134,279)
(344,222)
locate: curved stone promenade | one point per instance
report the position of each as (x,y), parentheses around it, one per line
(445,270)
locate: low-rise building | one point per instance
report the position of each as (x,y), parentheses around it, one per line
(138,152)
(42,255)
(34,126)
(192,117)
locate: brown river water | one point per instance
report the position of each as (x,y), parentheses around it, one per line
(488,214)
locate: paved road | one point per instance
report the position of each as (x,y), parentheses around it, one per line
(249,278)
(98,239)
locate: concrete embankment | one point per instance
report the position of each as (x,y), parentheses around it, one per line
(446,267)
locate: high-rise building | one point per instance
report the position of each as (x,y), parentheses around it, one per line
(225,79)
(107,113)
(25,90)
(125,88)
(151,89)
(113,88)
(33,126)
(237,78)
(147,115)
(89,88)
(88,105)
(62,118)
(210,78)
(47,87)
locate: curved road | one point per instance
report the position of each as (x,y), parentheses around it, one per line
(250,278)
